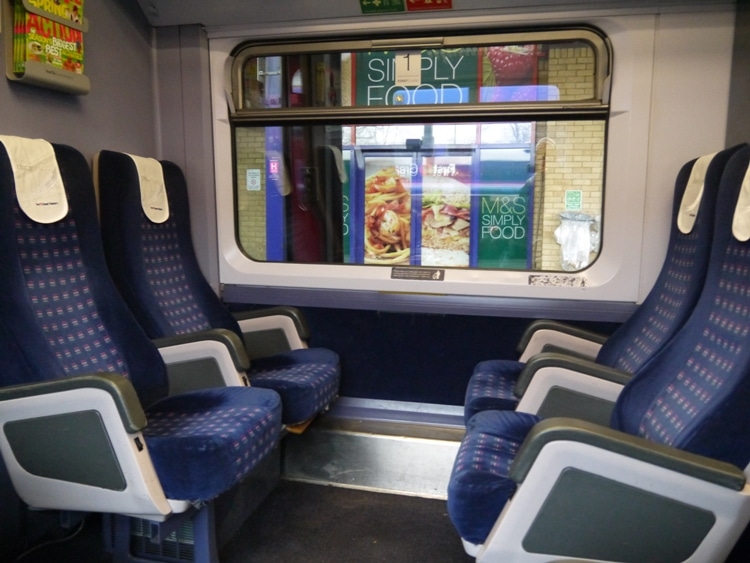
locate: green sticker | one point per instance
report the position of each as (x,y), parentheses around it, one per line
(382,6)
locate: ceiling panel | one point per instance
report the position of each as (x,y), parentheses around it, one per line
(211,13)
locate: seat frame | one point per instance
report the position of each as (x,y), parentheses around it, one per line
(660,476)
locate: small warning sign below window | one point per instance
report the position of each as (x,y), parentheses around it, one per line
(425,274)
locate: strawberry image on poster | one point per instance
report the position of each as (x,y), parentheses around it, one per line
(511,64)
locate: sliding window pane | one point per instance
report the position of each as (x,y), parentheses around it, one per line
(520,196)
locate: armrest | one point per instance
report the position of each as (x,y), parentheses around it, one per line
(568,362)
(226,337)
(552,385)
(292,312)
(562,350)
(119,388)
(543,333)
(572,430)
(201,360)
(76,444)
(590,492)
(272,331)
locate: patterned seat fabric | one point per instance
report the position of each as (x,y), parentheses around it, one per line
(61,316)
(692,395)
(155,267)
(654,323)
(480,484)
(491,387)
(167,278)
(226,431)
(306,379)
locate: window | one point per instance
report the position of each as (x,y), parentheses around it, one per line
(481,151)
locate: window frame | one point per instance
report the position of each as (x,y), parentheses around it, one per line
(529,111)
(244,115)
(373,287)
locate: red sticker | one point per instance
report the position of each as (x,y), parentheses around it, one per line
(421,5)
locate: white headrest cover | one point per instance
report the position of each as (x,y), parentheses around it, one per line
(741,221)
(39,187)
(153,191)
(691,198)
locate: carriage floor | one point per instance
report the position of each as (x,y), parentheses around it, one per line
(311,523)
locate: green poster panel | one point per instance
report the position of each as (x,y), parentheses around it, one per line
(446,77)
(503,229)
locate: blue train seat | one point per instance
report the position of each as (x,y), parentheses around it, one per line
(664,481)
(88,423)
(152,259)
(499,384)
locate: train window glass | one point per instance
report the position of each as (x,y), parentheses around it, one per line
(483,152)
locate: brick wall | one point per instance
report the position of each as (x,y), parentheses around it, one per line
(251,206)
(569,155)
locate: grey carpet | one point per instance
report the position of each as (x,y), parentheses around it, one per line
(303,523)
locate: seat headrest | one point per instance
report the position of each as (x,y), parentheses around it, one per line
(39,187)
(691,198)
(741,220)
(153,191)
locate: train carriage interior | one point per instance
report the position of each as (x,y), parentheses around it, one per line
(375,280)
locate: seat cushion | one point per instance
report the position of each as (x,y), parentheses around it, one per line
(307,380)
(204,442)
(491,387)
(479,484)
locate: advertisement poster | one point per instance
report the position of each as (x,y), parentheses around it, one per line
(388,210)
(40,39)
(437,211)
(503,228)
(388,78)
(446,211)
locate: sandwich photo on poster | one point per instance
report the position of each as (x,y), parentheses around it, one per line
(446,211)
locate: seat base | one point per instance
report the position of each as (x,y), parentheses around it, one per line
(195,536)
(299,428)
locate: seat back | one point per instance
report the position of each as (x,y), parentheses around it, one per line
(59,310)
(154,263)
(679,284)
(695,394)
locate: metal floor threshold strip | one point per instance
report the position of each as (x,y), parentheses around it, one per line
(387,446)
